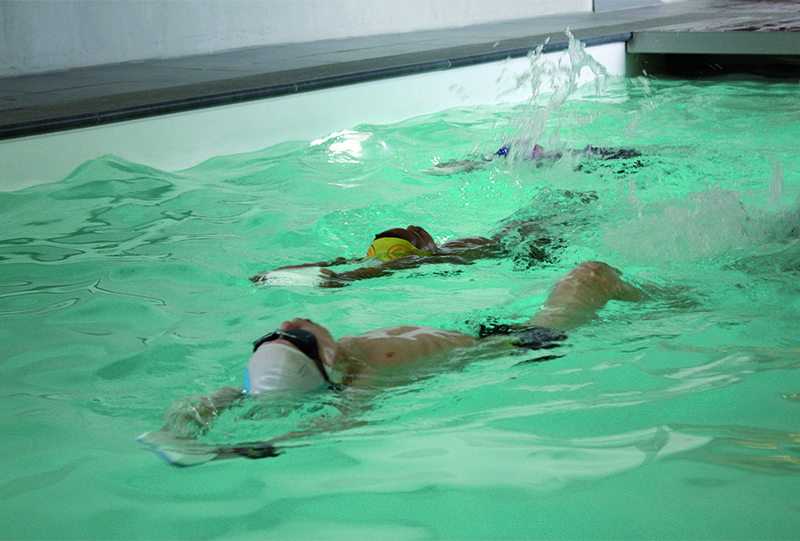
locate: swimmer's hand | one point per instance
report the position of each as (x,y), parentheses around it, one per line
(182,452)
(262,277)
(191,417)
(309,276)
(333,279)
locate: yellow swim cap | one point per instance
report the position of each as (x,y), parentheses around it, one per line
(388,248)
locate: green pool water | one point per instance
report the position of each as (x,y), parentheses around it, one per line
(125,288)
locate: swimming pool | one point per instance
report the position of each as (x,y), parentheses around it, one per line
(125,287)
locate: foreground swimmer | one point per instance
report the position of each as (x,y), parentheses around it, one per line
(405,248)
(574,300)
(303,355)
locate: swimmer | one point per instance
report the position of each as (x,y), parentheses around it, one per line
(409,247)
(541,157)
(302,355)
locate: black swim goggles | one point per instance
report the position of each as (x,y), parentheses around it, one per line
(303,340)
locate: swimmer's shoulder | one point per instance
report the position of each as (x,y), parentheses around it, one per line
(465,242)
(402,343)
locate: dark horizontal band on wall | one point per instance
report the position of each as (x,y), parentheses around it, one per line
(250,88)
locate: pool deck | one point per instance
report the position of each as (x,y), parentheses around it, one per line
(85,97)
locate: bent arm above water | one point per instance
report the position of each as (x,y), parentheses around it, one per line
(578,296)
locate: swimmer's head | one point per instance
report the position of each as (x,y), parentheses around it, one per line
(285,360)
(326,346)
(417,236)
(275,367)
(399,242)
(505,150)
(389,248)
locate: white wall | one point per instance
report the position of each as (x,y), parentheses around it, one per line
(162,141)
(38,36)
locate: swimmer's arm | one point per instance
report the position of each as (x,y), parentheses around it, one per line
(360,356)
(333,262)
(578,296)
(456,252)
(456,166)
(192,416)
(467,250)
(341,279)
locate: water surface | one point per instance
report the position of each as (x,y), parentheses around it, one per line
(125,287)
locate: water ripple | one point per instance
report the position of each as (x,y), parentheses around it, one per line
(39,295)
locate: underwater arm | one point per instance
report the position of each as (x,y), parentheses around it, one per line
(463,251)
(341,279)
(189,417)
(456,166)
(467,250)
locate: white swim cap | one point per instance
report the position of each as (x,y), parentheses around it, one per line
(278,366)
